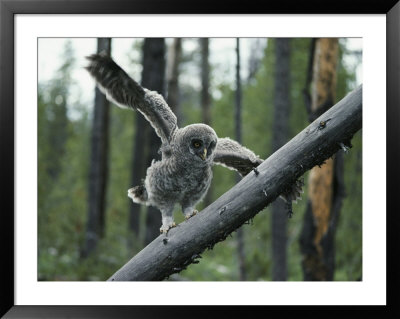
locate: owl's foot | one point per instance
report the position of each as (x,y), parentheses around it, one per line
(194,212)
(165,228)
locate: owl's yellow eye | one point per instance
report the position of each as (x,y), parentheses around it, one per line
(197,143)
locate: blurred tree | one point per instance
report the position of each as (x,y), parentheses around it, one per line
(138,168)
(138,171)
(205,81)
(238,137)
(174,59)
(52,132)
(348,235)
(153,78)
(98,164)
(205,97)
(61,217)
(326,188)
(255,58)
(280,137)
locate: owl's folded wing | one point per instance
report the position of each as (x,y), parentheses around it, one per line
(232,155)
(122,90)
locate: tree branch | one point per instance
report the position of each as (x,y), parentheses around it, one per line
(184,244)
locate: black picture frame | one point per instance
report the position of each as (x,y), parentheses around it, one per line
(8,10)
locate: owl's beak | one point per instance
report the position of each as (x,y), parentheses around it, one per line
(204,155)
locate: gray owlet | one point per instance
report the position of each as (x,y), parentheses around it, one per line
(184,174)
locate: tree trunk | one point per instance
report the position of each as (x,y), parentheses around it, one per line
(326,188)
(153,78)
(174,58)
(256,54)
(205,81)
(98,165)
(138,172)
(183,245)
(138,169)
(280,137)
(238,136)
(205,97)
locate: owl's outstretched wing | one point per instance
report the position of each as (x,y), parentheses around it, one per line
(232,155)
(122,90)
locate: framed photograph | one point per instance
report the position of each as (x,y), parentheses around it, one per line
(43,55)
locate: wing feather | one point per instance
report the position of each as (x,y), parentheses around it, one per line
(122,90)
(232,155)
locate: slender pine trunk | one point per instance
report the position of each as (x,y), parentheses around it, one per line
(280,137)
(95,227)
(153,78)
(238,136)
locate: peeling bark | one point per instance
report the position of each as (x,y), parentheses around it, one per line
(317,245)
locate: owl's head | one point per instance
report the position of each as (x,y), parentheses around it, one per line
(200,140)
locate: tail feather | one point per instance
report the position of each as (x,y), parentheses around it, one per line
(138,194)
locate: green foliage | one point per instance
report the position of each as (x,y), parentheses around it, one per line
(62,175)
(63,162)
(62,204)
(349,230)
(62,199)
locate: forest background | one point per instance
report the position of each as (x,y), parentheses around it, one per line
(207,91)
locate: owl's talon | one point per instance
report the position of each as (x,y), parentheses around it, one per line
(194,212)
(164,229)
